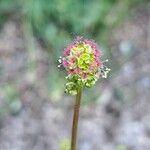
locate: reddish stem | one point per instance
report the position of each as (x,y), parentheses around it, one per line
(75,120)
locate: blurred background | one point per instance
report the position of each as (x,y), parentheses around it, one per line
(35,113)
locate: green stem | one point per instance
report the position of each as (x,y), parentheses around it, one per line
(75,120)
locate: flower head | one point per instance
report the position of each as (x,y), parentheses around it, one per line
(82,61)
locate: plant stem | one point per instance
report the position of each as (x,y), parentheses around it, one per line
(75,120)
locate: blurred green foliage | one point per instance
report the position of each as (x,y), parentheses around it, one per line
(65,144)
(121,147)
(12,104)
(57,22)
(55,85)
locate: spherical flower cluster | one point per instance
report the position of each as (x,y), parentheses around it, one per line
(83,64)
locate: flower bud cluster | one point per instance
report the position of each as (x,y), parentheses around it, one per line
(82,61)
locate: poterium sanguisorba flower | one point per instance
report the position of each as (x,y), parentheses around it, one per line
(82,61)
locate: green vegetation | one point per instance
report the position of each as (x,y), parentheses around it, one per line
(65,144)
(121,147)
(51,19)
(13,104)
